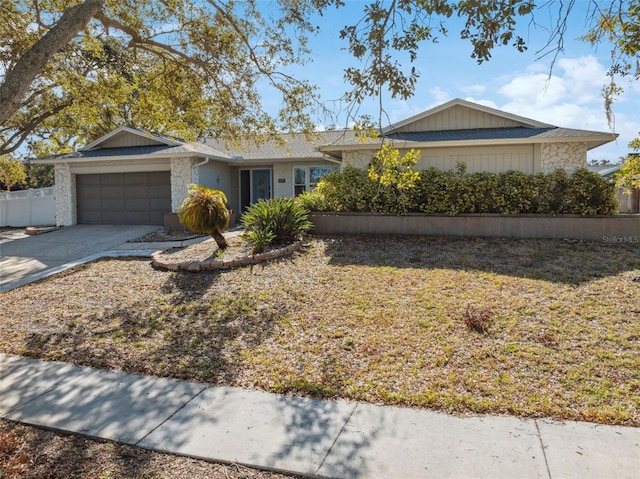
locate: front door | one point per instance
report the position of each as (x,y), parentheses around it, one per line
(254,185)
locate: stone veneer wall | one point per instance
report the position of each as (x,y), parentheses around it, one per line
(65,195)
(568,156)
(181,178)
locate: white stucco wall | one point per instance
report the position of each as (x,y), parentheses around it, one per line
(214,175)
(283,171)
(568,156)
(181,178)
(65,195)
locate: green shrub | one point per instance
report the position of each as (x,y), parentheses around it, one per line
(591,194)
(391,201)
(274,221)
(628,177)
(481,188)
(260,239)
(451,192)
(515,193)
(552,197)
(438,193)
(348,190)
(312,201)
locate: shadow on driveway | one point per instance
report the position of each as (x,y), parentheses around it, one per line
(25,257)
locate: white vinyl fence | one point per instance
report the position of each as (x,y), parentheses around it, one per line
(28,207)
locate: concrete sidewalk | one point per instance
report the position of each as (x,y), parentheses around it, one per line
(304,436)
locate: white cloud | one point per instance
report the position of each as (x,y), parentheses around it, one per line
(489,103)
(474,89)
(405,109)
(439,95)
(533,91)
(570,96)
(401,110)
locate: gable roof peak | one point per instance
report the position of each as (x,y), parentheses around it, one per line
(131,130)
(458,102)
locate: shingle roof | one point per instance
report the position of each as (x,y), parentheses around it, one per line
(593,138)
(320,144)
(106,152)
(299,146)
(152,151)
(463,135)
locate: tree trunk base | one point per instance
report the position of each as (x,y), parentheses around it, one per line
(219,239)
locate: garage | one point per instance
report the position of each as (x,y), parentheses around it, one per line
(123,198)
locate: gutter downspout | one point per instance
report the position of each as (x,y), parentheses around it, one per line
(195,173)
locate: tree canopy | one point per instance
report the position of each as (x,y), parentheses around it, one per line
(71,71)
(628,177)
(12,172)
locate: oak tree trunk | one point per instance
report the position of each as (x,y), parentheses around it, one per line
(19,79)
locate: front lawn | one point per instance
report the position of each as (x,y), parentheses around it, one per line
(384,320)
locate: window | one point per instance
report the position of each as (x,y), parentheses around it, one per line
(305,178)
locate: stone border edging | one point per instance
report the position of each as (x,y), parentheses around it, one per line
(35,230)
(197,266)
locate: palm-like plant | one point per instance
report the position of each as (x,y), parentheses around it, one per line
(205,211)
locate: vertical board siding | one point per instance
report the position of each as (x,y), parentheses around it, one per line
(491,160)
(477,159)
(128,140)
(458,118)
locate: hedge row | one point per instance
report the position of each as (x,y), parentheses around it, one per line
(455,192)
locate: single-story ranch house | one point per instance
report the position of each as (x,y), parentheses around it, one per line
(134,177)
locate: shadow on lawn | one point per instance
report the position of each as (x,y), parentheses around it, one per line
(549,260)
(185,338)
(94,402)
(38,453)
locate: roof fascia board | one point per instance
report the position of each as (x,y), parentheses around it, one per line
(598,140)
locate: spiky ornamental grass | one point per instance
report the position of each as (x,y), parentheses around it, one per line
(205,211)
(275,221)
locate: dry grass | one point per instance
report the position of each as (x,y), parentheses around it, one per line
(29,452)
(372,319)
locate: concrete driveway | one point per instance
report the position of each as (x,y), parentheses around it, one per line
(24,257)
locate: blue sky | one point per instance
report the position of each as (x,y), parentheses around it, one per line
(569,95)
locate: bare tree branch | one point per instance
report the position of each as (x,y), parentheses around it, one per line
(16,140)
(138,40)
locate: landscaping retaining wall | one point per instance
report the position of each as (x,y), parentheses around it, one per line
(607,229)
